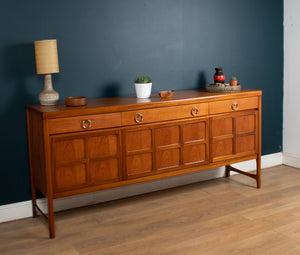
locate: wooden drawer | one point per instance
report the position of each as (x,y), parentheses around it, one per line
(83,123)
(164,114)
(233,105)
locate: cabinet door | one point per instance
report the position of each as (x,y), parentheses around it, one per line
(69,163)
(195,143)
(233,135)
(138,152)
(151,149)
(103,157)
(85,159)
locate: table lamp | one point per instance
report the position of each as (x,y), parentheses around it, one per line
(47,63)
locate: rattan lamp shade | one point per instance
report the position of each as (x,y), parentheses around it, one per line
(46,56)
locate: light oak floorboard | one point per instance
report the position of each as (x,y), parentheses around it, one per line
(221,216)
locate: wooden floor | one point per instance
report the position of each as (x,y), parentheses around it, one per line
(222,216)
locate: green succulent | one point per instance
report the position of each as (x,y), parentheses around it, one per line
(143,79)
(233,79)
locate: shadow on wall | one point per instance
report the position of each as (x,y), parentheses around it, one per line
(202,81)
(19,67)
(111,90)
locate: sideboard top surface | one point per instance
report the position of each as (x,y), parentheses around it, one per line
(125,103)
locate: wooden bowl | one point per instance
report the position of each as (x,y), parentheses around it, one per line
(76,101)
(166,93)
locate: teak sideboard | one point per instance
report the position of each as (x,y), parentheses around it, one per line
(112,142)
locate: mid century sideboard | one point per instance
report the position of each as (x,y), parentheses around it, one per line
(112,142)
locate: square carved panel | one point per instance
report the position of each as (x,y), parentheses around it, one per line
(194,132)
(167,136)
(102,146)
(138,140)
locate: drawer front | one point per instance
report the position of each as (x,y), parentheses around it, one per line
(232,105)
(83,123)
(164,114)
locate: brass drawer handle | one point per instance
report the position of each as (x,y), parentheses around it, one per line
(235,106)
(194,111)
(138,118)
(86,124)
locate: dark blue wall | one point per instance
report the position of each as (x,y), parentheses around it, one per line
(104,44)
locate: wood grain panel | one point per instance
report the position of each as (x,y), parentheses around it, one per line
(167,136)
(194,154)
(102,146)
(102,171)
(138,140)
(69,149)
(139,164)
(245,144)
(167,158)
(222,126)
(245,123)
(69,177)
(194,131)
(222,148)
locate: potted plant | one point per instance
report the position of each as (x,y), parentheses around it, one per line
(233,81)
(143,85)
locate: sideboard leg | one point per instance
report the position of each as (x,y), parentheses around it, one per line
(227,170)
(51,218)
(256,176)
(258,172)
(33,199)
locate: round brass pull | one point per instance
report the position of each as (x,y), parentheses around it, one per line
(138,118)
(86,124)
(235,106)
(194,111)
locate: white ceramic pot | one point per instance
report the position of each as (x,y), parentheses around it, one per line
(143,90)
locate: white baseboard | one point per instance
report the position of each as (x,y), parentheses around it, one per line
(290,159)
(269,160)
(24,209)
(15,211)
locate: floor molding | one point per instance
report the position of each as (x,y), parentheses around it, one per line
(23,209)
(290,159)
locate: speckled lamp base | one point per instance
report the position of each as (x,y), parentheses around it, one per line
(48,96)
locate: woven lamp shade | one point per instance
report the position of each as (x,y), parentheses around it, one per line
(46,56)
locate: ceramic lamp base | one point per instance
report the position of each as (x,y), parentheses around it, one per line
(48,96)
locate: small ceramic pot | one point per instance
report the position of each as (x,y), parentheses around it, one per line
(233,83)
(219,76)
(143,90)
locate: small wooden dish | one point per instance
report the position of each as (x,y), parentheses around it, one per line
(76,101)
(166,93)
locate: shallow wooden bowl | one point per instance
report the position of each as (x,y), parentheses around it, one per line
(76,101)
(166,93)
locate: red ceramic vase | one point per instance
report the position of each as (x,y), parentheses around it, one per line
(219,77)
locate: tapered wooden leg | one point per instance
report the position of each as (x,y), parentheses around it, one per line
(51,218)
(33,199)
(34,211)
(227,171)
(258,172)
(33,195)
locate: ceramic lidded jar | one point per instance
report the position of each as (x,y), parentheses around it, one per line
(219,76)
